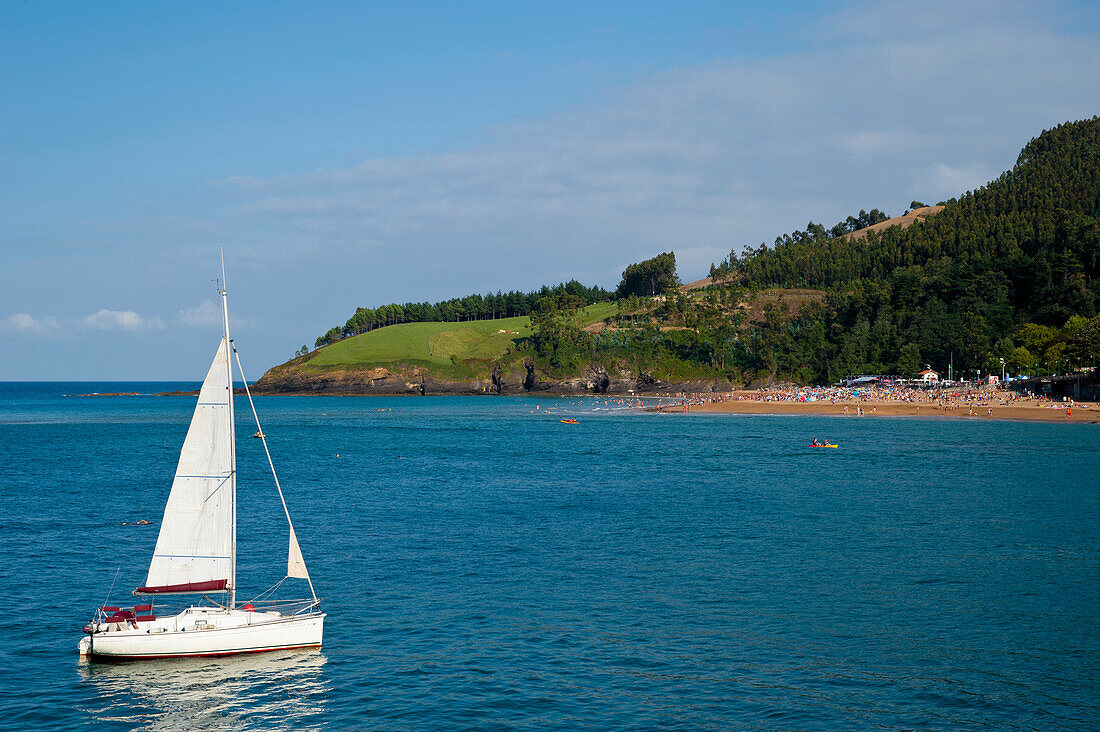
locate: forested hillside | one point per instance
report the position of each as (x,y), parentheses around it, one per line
(1010,271)
(1007,271)
(966,283)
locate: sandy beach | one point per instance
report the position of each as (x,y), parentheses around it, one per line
(989,408)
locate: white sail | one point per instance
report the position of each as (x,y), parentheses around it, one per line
(295,564)
(195,548)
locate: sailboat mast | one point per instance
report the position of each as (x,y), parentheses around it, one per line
(232,444)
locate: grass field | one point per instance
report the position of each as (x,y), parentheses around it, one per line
(597,311)
(437,342)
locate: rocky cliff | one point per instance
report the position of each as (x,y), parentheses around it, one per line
(521,379)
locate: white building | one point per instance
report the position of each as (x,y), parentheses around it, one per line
(929,376)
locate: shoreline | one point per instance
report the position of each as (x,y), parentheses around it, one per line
(743,402)
(1080,412)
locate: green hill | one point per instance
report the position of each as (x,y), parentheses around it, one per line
(437,344)
(1008,273)
(493,306)
(425,343)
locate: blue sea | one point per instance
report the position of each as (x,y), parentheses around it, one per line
(485,566)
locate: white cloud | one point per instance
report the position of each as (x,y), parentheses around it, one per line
(694,262)
(120,320)
(241,181)
(868,143)
(947,181)
(205,314)
(208,315)
(703,158)
(25,323)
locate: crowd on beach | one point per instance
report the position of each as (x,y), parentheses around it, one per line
(861,399)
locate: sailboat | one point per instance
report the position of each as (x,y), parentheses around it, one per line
(196,551)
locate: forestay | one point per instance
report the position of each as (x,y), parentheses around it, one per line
(195,545)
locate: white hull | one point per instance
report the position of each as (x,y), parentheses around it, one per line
(204,632)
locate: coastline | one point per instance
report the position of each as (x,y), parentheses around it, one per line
(985,406)
(1023,411)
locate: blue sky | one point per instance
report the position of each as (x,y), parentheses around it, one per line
(360,153)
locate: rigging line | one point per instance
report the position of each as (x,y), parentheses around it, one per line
(268,591)
(112,588)
(211,599)
(263,439)
(218,487)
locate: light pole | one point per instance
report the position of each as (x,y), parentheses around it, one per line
(1002,369)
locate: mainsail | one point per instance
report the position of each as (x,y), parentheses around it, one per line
(194,551)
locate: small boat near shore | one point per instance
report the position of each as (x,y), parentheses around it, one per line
(196,552)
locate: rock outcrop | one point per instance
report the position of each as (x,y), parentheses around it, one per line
(524,378)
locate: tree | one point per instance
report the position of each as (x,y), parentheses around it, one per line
(1073,323)
(1034,338)
(909,362)
(333,335)
(656,276)
(1054,359)
(1020,361)
(1083,346)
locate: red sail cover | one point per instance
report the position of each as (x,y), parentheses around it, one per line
(210,586)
